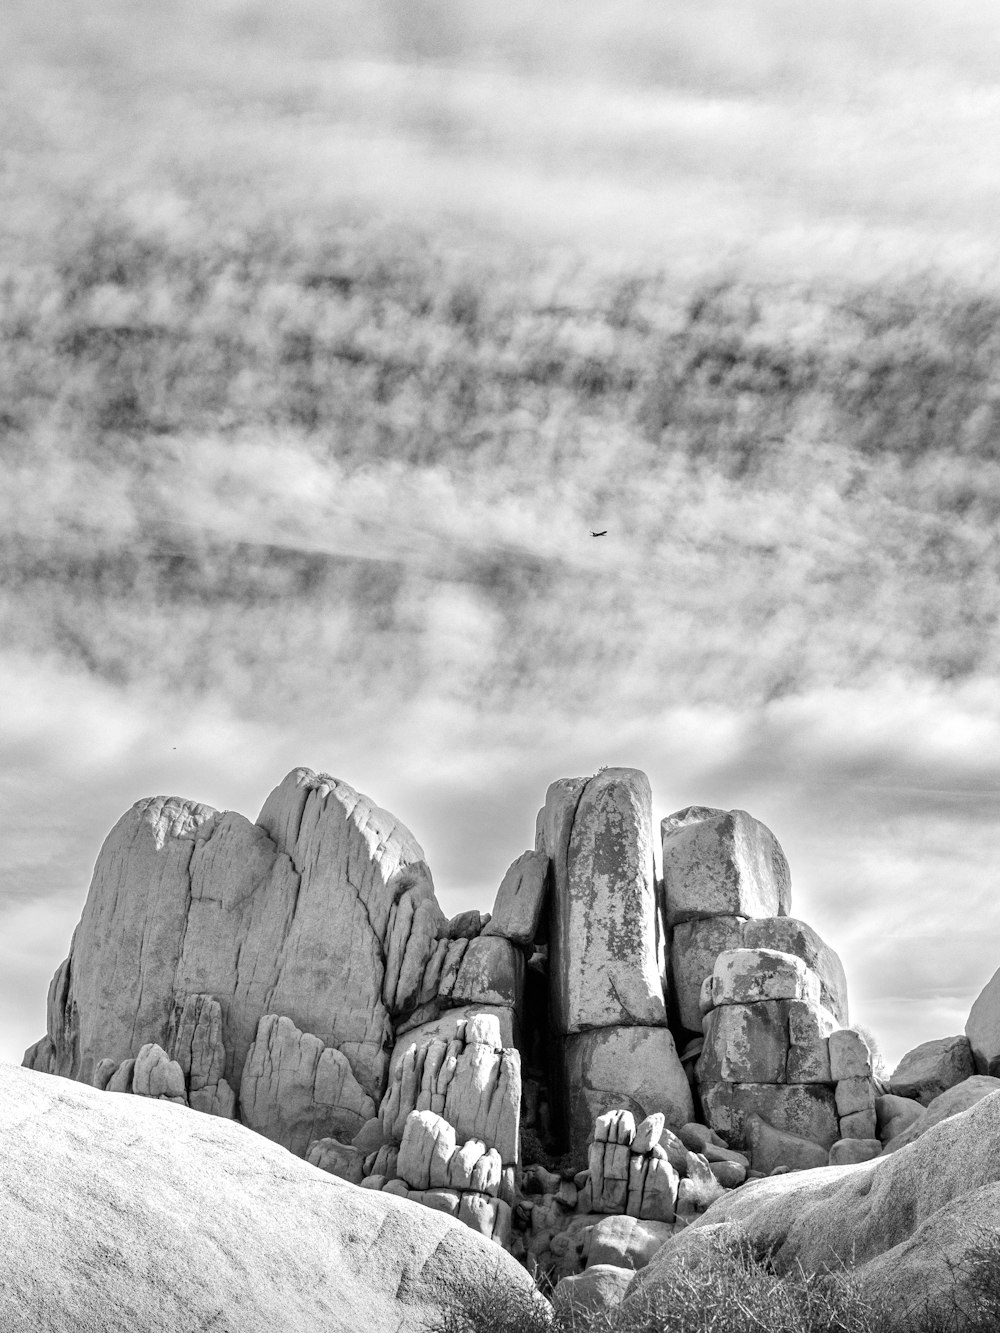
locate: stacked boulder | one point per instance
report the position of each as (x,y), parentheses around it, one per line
(447,1128)
(658,1180)
(607,974)
(298,974)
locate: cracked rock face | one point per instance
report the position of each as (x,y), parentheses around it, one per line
(605,965)
(323,911)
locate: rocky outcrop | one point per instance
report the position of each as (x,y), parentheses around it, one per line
(983,1027)
(126,1213)
(902,1223)
(323,912)
(298,973)
(947,1104)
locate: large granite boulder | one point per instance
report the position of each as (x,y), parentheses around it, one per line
(722,863)
(902,1223)
(131,1215)
(931,1068)
(322,912)
(632,1067)
(605,964)
(950,1103)
(982,1027)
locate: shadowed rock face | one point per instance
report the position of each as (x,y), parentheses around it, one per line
(323,912)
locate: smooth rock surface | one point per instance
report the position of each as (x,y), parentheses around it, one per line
(604,957)
(131,1215)
(633,1067)
(626,1242)
(952,1102)
(596,1291)
(894,1114)
(982,1027)
(722,863)
(931,1068)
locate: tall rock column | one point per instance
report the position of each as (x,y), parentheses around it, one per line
(606,973)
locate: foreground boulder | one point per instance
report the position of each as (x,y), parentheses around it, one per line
(129,1214)
(902,1222)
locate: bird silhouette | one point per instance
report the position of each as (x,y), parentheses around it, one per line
(599,534)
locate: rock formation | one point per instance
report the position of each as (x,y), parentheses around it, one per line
(659,1041)
(902,1223)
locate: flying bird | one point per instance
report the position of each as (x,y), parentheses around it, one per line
(599,534)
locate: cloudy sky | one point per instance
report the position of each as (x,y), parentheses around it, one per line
(196,607)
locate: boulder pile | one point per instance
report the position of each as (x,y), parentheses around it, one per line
(584,1070)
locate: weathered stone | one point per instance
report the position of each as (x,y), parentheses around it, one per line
(894,1114)
(520,899)
(156,1075)
(626,1242)
(472,1083)
(747,976)
(694,947)
(633,1067)
(846,1152)
(949,1103)
(809,1028)
(786,934)
(805,1110)
(746,1043)
(982,1028)
(604,961)
(771,1148)
(659,1191)
(323,910)
(491,972)
(596,1292)
(196,1043)
(648,1132)
(855,1094)
(699,1138)
(444,1026)
(426,1149)
(905,1224)
(466,925)
(103,1072)
(133,1213)
(339,1159)
(121,1079)
(722,863)
(850,1057)
(931,1068)
(295,1089)
(858,1125)
(730,1175)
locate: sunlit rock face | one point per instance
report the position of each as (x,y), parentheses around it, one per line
(298,974)
(605,969)
(322,912)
